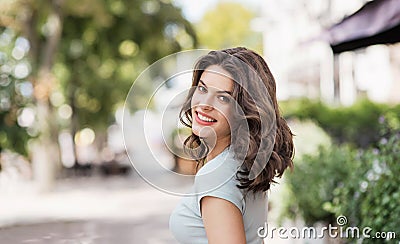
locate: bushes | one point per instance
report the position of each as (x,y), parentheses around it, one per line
(357,180)
(357,124)
(315,179)
(370,197)
(362,185)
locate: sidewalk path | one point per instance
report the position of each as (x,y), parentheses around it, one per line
(88,210)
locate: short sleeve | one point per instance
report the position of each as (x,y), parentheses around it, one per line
(219,180)
(228,191)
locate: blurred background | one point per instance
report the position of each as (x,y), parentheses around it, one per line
(66,68)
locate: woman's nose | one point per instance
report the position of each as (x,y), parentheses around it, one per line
(206,107)
(207,102)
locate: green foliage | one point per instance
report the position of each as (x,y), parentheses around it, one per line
(105,48)
(228,25)
(370,197)
(361,184)
(357,124)
(314,180)
(15,92)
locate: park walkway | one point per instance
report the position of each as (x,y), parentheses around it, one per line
(88,210)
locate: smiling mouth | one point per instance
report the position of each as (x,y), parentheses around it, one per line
(203,118)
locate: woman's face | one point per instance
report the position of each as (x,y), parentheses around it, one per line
(211,105)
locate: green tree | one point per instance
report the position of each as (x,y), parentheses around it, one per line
(90,52)
(227,25)
(103,58)
(15,92)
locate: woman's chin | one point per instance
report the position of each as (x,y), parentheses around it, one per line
(205,132)
(202,134)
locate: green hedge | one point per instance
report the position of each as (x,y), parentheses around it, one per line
(357,124)
(370,197)
(361,184)
(315,179)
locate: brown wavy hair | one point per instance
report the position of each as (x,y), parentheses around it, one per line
(264,141)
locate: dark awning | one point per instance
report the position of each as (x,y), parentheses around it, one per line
(377,22)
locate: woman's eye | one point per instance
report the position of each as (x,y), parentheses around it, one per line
(223,99)
(201,88)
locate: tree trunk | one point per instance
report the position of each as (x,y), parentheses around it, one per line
(45,149)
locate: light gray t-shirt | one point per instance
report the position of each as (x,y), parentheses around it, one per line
(217,178)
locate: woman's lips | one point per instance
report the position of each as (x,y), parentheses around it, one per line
(203,119)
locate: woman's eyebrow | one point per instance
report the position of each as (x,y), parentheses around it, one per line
(230,93)
(204,84)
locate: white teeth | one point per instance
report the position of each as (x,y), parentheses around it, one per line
(204,118)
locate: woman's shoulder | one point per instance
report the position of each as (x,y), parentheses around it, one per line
(218,174)
(225,162)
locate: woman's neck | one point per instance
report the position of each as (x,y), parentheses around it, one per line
(219,147)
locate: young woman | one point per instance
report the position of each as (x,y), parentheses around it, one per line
(241,143)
